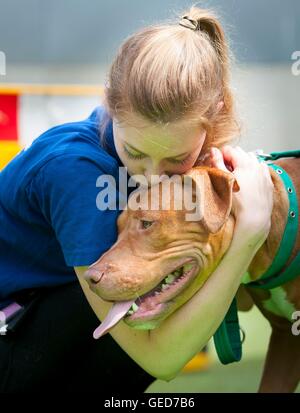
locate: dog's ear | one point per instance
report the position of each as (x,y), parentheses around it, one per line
(216,191)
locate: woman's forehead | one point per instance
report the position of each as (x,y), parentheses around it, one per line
(141,124)
(175,139)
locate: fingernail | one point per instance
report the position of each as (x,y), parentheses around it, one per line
(215,152)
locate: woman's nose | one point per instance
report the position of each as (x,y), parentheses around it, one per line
(153,176)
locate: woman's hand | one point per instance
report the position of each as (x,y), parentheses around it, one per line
(253,203)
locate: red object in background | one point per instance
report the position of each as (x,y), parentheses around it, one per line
(8,117)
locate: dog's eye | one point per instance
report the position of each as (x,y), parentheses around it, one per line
(146,224)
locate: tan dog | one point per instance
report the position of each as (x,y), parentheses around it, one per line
(161,260)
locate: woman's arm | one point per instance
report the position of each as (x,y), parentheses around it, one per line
(164,351)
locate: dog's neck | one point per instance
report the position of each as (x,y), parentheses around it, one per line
(265,255)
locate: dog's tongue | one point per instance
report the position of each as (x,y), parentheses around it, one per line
(116,313)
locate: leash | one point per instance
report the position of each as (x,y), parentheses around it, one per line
(227,340)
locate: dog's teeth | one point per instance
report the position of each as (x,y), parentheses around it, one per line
(187,267)
(164,286)
(130,312)
(134,307)
(170,278)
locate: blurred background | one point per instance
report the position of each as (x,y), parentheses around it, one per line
(54,57)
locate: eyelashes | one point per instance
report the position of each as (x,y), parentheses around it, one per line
(182,161)
(131,156)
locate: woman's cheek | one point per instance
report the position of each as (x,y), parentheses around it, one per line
(133,168)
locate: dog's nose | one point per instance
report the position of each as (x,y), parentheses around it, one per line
(93,276)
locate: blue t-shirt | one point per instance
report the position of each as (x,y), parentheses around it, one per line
(49,221)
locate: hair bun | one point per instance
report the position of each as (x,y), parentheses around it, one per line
(189,23)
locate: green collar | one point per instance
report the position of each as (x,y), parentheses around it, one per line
(275,276)
(227,338)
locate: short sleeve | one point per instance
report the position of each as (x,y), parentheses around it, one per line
(65,189)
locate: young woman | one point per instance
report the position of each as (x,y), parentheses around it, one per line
(167,105)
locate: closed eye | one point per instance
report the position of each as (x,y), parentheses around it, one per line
(181,161)
(171,160)
(131,156)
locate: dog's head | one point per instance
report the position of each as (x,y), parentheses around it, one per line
(166,249)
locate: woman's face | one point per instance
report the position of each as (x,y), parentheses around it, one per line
(147,149)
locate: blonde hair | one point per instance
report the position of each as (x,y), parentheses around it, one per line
(166,73)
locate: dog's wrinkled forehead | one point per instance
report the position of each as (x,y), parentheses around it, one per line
(205,192)
(167,195)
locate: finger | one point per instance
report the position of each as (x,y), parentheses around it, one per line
(204,160)
(243,155)
(253,157)
(270,184)
(268,175)
(217,160)
(231,156)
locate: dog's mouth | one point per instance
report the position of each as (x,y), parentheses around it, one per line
(155,302)
(149,308)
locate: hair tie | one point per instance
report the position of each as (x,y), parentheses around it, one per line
(189,23)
